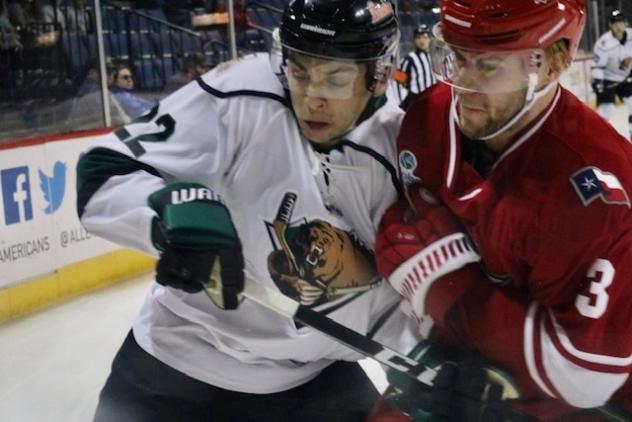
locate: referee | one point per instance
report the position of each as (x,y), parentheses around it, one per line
(415,72)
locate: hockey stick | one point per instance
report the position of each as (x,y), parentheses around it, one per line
(364,345)
(292,309)
(612,413)
(282,220)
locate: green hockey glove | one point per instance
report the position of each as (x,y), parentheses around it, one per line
(197,238)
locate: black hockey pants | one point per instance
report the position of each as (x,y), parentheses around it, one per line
(140,388)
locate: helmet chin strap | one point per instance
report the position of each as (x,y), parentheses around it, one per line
(531,98)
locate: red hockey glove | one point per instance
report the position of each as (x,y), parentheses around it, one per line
(415,249)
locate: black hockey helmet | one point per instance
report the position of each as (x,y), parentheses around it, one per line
(422,29)
(616,16)
(343,29)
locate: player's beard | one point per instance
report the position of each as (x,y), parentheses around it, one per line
(483,114)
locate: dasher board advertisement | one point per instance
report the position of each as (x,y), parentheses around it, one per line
(39,228)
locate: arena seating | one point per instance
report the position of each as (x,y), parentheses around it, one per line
(37,79)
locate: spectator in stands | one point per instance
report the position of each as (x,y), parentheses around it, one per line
(24,12)
(87,107)
(27,16)
(122,87)
(178,12)
(193,65)
(9,37)
(54,13)
(71,17)
(92,81)
(79,18)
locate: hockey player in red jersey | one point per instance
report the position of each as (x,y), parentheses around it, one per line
(521,246)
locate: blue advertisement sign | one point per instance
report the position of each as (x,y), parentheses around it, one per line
(16,195)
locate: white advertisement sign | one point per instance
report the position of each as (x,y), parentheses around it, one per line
(39,227)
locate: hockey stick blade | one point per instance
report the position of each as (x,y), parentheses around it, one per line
(290,308)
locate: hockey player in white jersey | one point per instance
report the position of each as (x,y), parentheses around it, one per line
(611,73)
(276,168)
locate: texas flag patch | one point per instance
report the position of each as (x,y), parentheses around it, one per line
(592,183)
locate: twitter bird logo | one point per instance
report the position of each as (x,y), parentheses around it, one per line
(53,187)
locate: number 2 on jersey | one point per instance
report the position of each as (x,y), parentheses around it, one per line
(600,274)
(166,122)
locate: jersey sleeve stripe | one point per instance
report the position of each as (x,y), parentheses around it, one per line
(532,347)
(388,166)
(556,342)
(540,352)
(570,380)
(566,347)
(100,165)
(452,162)
(241,92)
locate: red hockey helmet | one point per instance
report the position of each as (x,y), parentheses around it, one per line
(510,25)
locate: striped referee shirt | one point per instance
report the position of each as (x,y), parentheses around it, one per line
(414,74)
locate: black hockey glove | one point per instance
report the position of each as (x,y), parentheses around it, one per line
(464,390)
(598,86)
(197,239)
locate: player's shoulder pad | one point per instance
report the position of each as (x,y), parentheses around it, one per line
(607,42)
(383,125)
(590,186)
(585,203)
(251,75)
(422,135)
(428,104)
(599,194)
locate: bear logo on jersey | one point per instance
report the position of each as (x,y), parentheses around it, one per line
(317,263)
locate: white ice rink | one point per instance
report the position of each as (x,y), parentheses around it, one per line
(54,362)
(620,120)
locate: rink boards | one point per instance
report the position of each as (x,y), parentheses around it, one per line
(45,254)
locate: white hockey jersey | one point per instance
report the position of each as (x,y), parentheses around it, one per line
(233,130)
(609,53)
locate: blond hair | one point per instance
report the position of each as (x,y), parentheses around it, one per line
(557,56)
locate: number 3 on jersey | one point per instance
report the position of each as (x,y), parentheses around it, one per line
(165,127)
(600,274)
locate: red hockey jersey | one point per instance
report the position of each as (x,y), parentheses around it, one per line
(552,220)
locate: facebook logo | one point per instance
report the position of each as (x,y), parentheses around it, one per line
(16,195)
